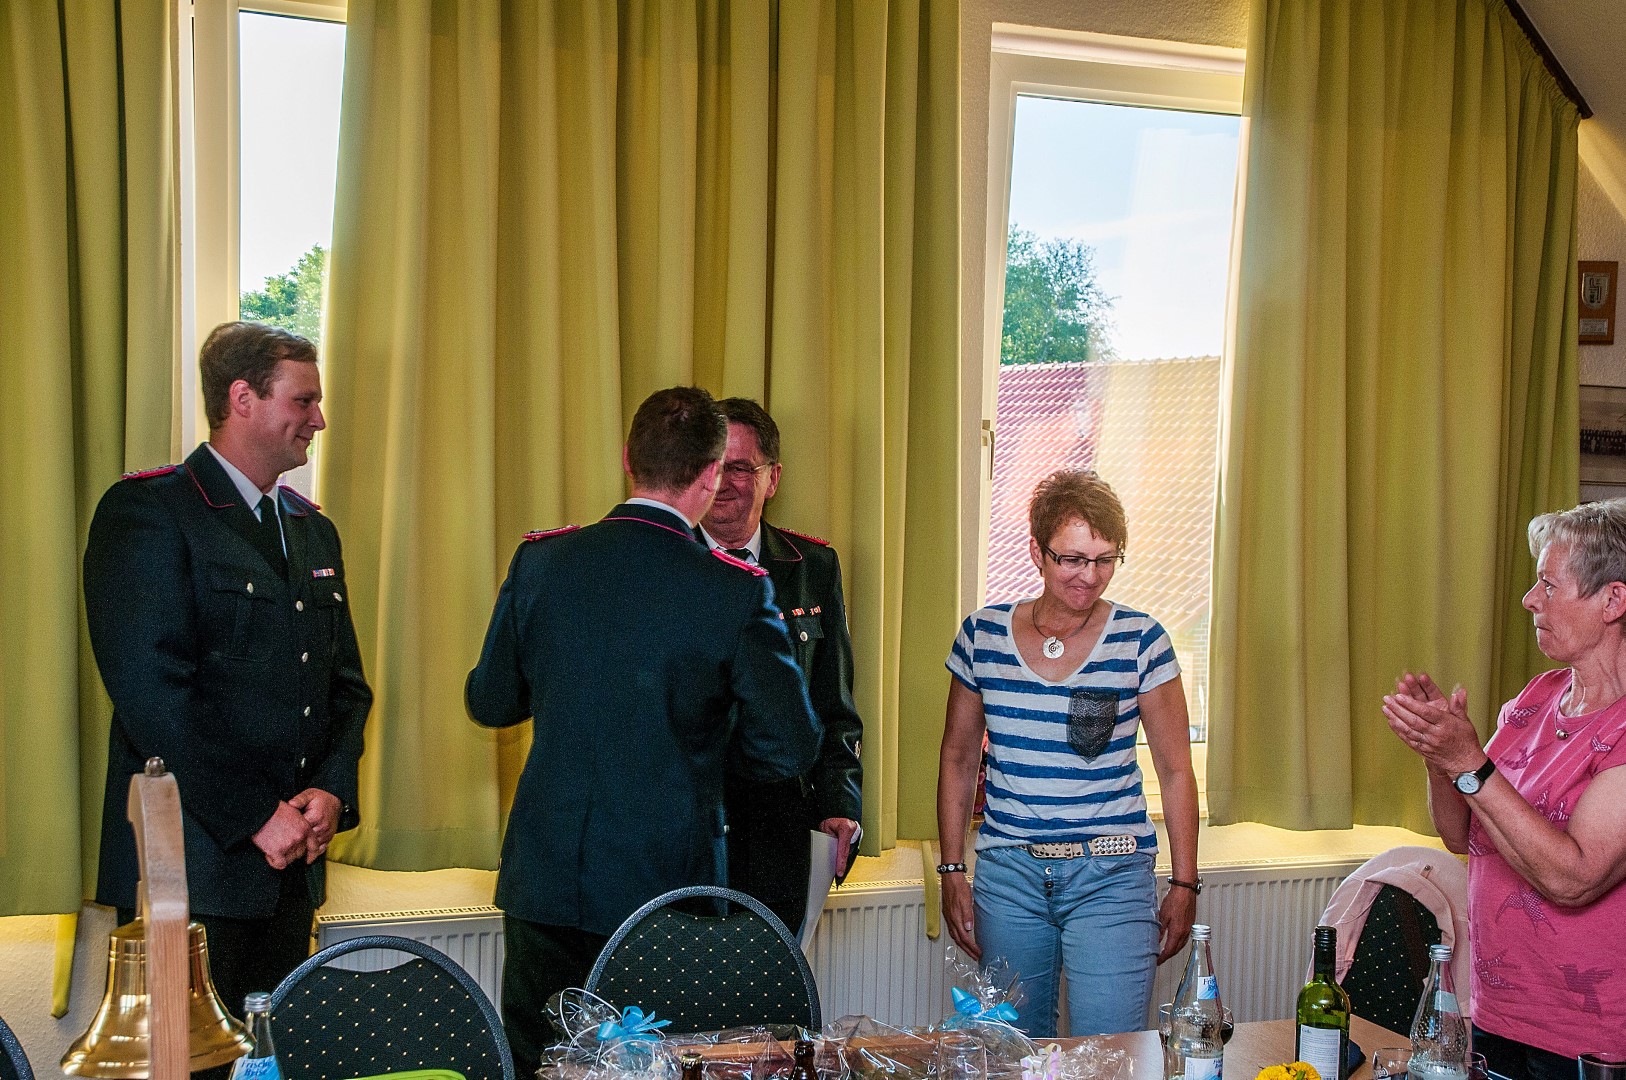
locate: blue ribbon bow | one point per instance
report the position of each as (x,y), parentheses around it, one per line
(634,1027)
(968,1010)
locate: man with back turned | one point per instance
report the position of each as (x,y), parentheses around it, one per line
(645,661)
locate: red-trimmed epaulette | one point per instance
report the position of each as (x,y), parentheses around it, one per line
(312,503)
(148,474)
(543,534)
(741,563)
(804,536)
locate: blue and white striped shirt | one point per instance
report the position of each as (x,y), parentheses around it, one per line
(1039,789)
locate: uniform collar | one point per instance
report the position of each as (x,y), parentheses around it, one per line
(753,545)
(245,487)
(639,500)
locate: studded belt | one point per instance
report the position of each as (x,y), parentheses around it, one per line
(1101,845)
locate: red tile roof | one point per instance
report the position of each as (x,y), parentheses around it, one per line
(1149,427)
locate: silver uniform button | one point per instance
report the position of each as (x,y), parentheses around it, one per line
(250,588)
(804,635)
(307,710)
(339,598)
(301,763)
(299,605)
(304,657)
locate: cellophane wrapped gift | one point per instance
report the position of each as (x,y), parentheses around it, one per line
(1083,1062)
(866,1049)
(603,1042)
(985,1003)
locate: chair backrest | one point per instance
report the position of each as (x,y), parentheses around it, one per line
(13,1062)
(1391,959)
(707,972)
(425,1013)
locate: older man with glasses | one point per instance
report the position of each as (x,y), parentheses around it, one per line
(768,849)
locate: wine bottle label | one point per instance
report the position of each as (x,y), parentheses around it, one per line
(1322,1048)
(1207,988)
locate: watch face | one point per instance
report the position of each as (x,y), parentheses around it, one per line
(1467,783)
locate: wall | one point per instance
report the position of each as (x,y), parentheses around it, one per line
(1602,237)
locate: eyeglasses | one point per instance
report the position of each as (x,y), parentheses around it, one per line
(741,470)
(1074,563)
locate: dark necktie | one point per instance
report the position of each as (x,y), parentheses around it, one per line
(742,554)
(268,538)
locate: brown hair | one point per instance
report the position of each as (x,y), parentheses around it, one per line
(742,410)
(1077,494)
(249,351)
(675,434)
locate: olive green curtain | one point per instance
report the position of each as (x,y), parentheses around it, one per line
(547,211)
(1403,394)
(88,303)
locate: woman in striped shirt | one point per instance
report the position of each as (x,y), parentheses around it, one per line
(1065,855)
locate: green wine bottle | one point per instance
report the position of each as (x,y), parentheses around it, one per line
(1323,1012)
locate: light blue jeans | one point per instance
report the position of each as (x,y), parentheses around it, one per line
(1094,917)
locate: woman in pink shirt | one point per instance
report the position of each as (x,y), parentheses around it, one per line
(1541,810)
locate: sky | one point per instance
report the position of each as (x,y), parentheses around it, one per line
(1151,191)
(290,72)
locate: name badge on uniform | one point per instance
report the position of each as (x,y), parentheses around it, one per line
(326,571)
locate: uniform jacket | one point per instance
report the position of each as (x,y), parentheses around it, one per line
(631,645)
(247,684)
(769,820)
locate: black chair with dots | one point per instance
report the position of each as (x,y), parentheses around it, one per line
(1391,959)
(683,960)
(423,1013)
(13,1062)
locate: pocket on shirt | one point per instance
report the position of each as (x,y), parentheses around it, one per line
(1091,717)
(239,611)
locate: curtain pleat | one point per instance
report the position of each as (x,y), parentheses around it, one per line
(548,211)
(88,300)
(1404,393)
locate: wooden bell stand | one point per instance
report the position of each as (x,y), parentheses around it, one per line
(155,812)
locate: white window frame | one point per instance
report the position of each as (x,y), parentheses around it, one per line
(1079,66)
(210,184)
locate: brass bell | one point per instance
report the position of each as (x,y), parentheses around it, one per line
(117,1046)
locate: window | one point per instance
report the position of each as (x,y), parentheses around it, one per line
(1113,204)
(259,158)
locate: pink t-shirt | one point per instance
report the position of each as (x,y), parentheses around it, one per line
(1548,976)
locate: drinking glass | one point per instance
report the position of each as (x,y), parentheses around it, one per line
(1600,1067)
(1391,1061)
(961,1057)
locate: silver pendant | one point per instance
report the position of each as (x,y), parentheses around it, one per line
(1561,733)
(1053,648)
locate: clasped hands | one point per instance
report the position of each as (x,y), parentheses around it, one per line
(1434,724)
(302,827)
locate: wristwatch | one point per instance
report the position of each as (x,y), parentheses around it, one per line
(1470,782)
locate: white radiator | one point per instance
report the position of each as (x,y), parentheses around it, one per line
(870,954)
(471,936)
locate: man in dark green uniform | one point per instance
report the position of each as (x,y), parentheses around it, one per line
(219,617)
(646,661)
(768,821)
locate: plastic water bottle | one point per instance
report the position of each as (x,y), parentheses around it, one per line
(1196,1032)
(261,1062)
(1439,1035)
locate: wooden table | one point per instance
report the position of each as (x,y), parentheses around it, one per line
(1252,1047)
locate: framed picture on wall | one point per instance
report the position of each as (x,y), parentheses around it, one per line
(1598,302)
(1603,435)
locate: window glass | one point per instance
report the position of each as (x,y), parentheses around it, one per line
(1114,319)
(290,75)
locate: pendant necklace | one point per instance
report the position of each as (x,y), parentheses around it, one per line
(1054,646)
(1560,729)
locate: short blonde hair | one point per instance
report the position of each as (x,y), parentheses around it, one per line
(1077,494)
(1594,533)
